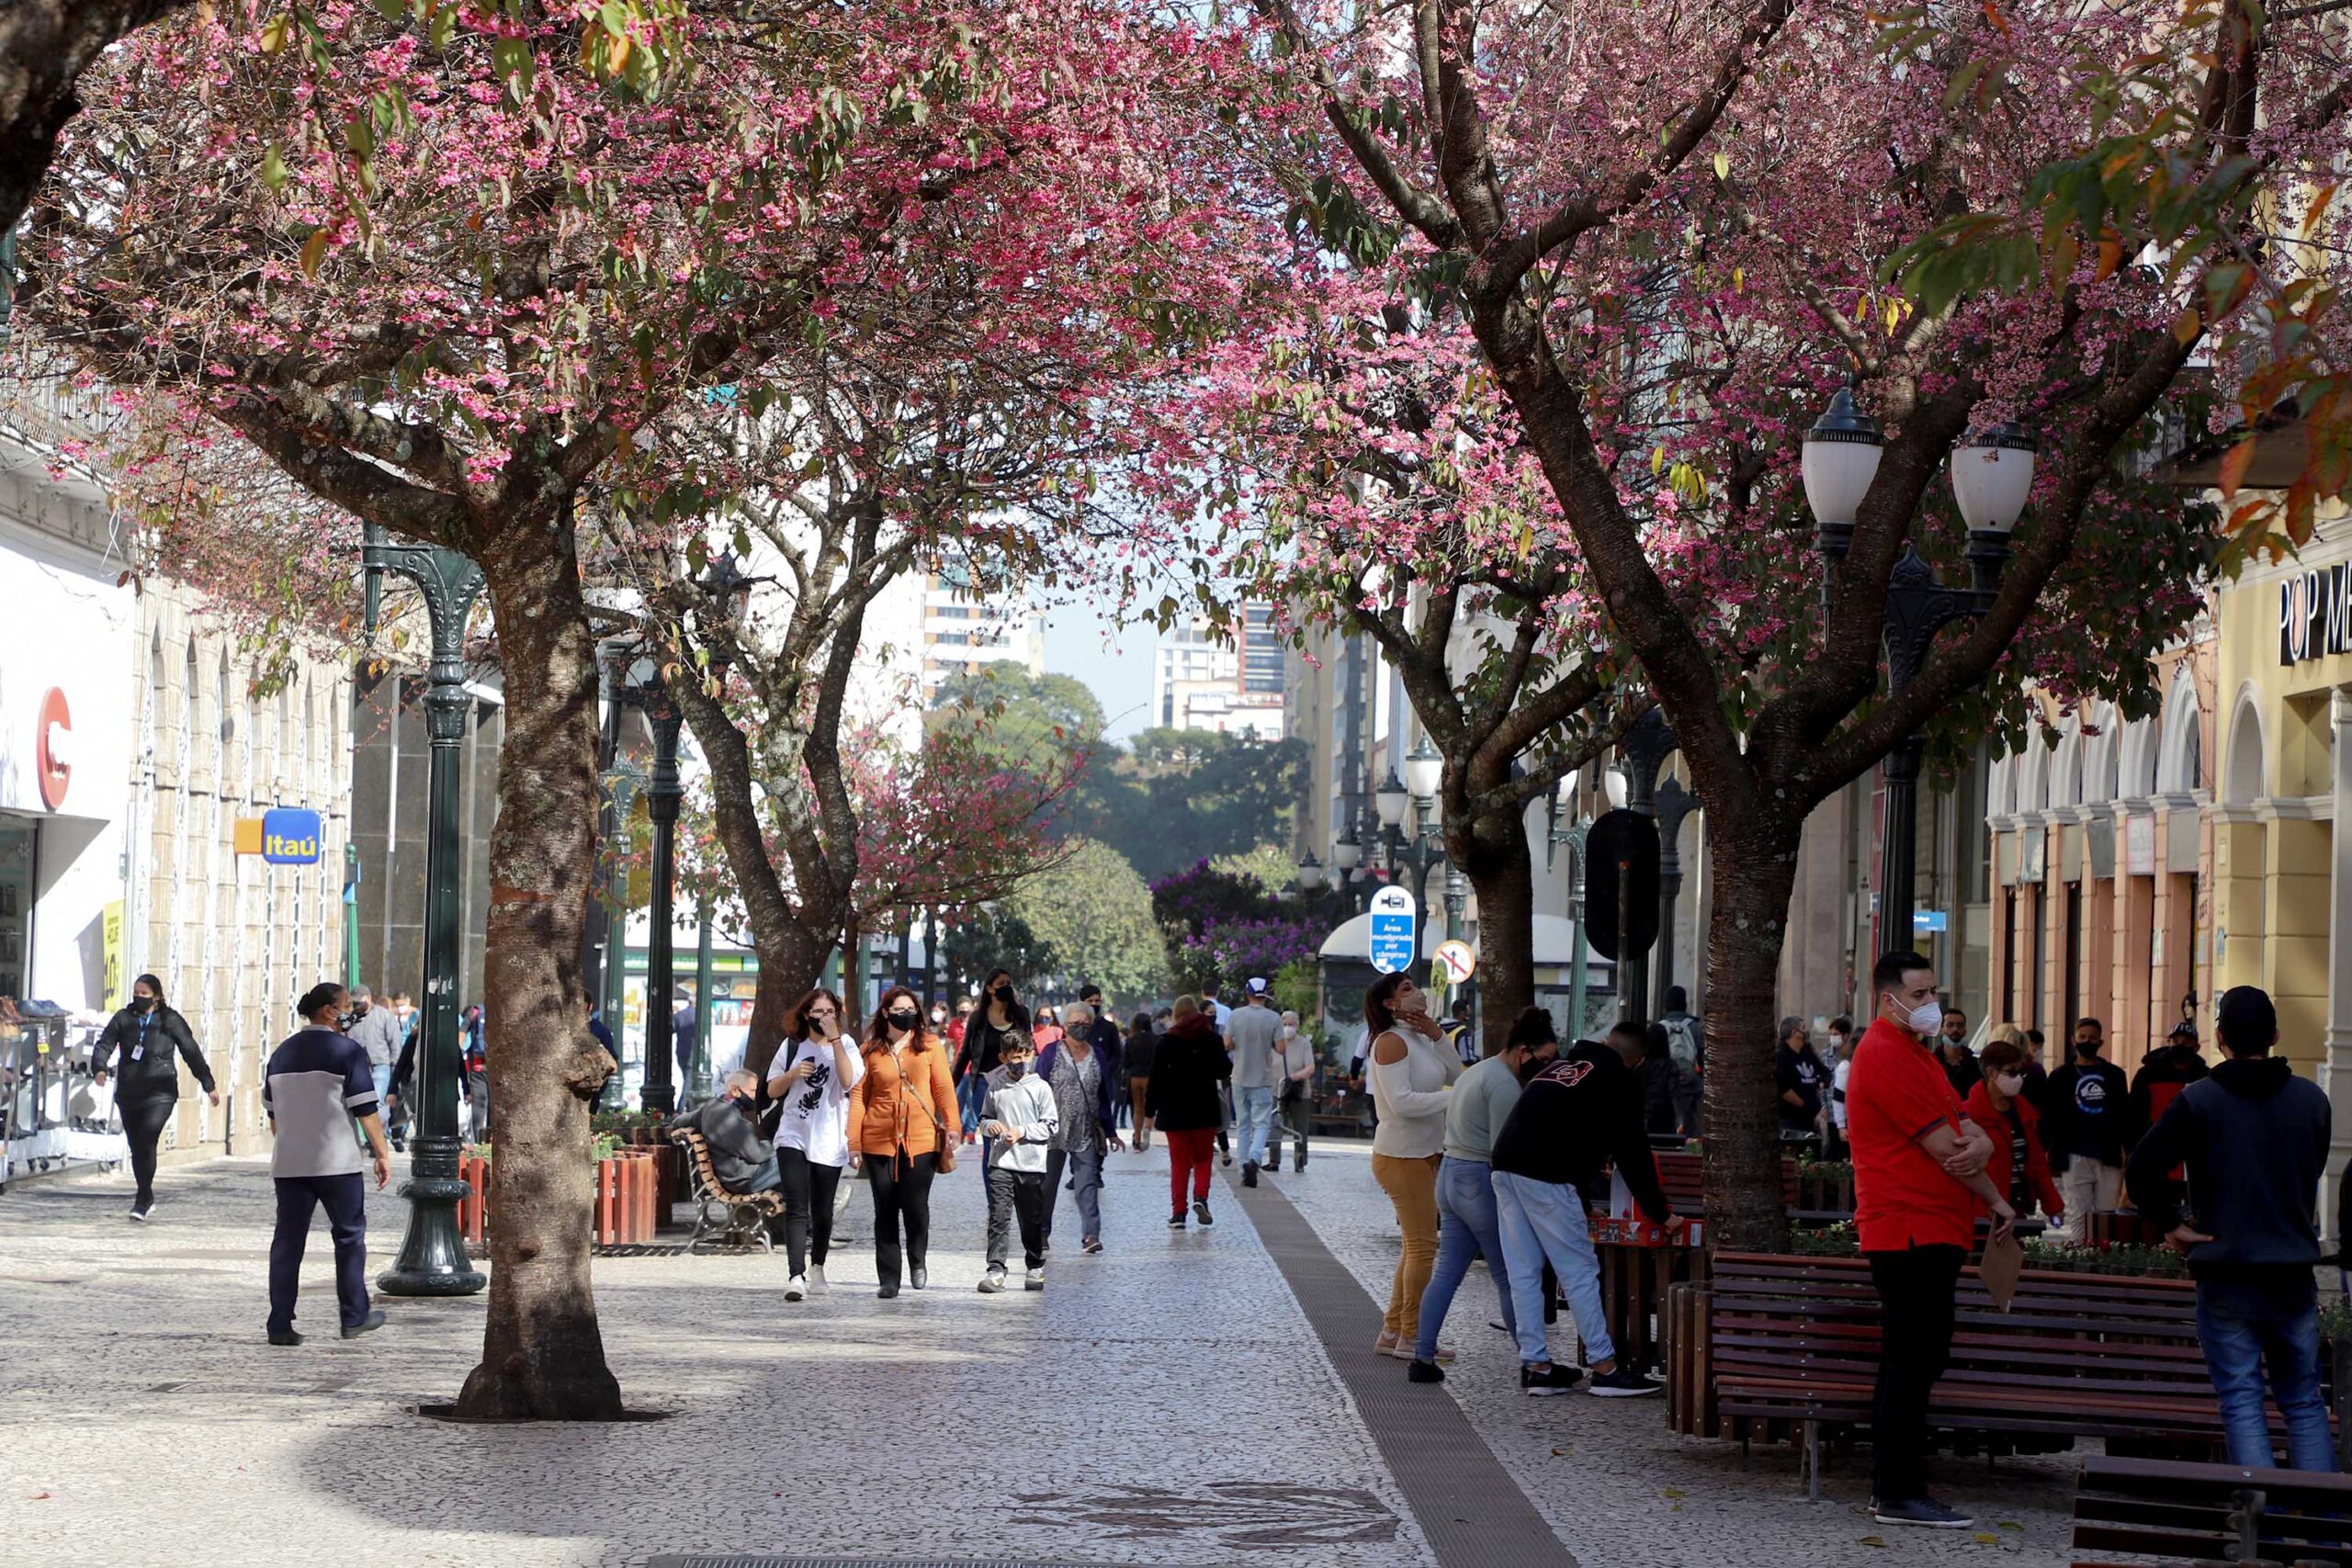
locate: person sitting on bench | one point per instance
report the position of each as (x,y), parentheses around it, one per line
(741,1159)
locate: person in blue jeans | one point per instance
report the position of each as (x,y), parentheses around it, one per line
(1571,1115)
(2253,1137)
(1467,1226)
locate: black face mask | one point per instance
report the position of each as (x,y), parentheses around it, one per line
(903,1019)
(1533,1066)
(345,1019)
(1003,994)
(1015,1071)
(142,1004)
(2087,1047)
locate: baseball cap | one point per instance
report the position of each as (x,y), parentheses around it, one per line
(1257,986)
(2184,1030)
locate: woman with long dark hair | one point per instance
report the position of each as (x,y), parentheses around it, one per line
(1184,1101)
(811,1079)
(145,1034)
(902,1122)
(1413,1071)
(998,1015)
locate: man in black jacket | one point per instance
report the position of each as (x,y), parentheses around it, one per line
(741,1159)
(2254,1137)
(1572,1114)
(2086,1125)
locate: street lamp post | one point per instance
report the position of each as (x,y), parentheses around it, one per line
(643,685)
(432,1260)
(1992,474)
(1673,803)
(700,1086)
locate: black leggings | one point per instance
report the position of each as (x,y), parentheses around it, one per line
(901,1191)
(808,1193)
(143,1121)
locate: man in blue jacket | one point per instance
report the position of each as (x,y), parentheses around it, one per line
(2254,1137)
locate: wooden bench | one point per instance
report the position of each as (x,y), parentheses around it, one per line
(2162,1511)
(722,1213)
(1795,1340)
(1682,1176)
(1340,1113)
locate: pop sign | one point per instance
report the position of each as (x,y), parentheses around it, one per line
(1392,931)
(1458,961)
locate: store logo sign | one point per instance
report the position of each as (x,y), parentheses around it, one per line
(53,750)
(2315,615)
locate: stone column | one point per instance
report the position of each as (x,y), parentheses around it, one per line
(2335,1069)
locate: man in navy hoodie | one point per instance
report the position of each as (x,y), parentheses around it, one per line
(2254,1137)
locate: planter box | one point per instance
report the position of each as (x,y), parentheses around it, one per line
(625,1206)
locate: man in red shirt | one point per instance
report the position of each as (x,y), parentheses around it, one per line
(1918,1183)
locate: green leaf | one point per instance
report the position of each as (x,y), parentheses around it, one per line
(273,169)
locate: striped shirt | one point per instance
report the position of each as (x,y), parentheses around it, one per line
(316,1082)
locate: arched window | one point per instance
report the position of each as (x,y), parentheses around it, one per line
(2179,744)
(2136,774)
(2248,776)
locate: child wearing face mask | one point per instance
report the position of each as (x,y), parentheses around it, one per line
(2019,1166)
(1020,1117)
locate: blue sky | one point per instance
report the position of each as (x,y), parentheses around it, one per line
(1113,662)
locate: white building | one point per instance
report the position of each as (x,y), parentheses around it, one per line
(961,631)
(1201,682)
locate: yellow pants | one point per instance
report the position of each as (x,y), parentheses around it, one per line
(1411,1185)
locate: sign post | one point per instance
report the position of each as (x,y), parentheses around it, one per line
(1393,931)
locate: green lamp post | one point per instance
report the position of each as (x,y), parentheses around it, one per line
(432,1260)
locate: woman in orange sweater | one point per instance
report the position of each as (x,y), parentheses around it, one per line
(2018,1169)
(902,1114)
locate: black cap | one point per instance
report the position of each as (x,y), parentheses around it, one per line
(2248,1023)
(2185,1029)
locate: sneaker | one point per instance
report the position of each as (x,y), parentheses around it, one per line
(1035,1281)
(816,1286)
(1924,1512)
(1384,1344)
(1424,1371)
(1201,1210)
(1176,1221)
(1273,1165)
(1403,1350)
(1539,1383)
(139,1211)
(992,1281)
(284,1337)
(919,1278)
(1225,1156)
(796,1288)
(1250,1173)
(368,1325)
(1092,1244)
(1622,1383)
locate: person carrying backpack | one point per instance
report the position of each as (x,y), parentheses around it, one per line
(1686,1043)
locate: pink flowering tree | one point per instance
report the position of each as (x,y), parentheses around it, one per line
(1672,236)
(441,280)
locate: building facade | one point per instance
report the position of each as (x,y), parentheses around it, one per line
(1202,679)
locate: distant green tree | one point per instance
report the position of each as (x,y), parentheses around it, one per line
(1174,796)
(987,939)
(1094,914)
(1037,720)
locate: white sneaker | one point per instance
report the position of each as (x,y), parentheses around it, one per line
(1035,1281)
(816,1279)
(992,1283)
(795,1288)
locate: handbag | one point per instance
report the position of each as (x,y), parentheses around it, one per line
(946,1163)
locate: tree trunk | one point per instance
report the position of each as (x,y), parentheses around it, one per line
(1753,874)
(542,1357)
(1499,865)
(791,962)
(45,45)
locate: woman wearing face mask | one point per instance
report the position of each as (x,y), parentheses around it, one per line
(1000,1013)
(145,1035)
(902,1122)
(812,1078)
(2018,1165)
(1412,1084)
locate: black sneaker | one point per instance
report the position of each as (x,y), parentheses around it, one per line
(1923,1512)
(284,1337)
(1200,1212)
(1622,1383)
(1541,1382)
(1424,1371)
(1250,1173)
(368,1325)
(139,1211)
(1176,1221)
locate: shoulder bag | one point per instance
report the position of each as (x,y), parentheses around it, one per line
(946,1163)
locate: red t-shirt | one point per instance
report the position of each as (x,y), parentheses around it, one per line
(1896,1093)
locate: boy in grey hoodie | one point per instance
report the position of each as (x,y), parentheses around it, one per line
(1019,1117)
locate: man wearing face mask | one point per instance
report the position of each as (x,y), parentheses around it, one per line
(2089,1107)
(1920,1180)
(1952,1045)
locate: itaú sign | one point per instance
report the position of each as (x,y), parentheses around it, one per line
(2315,614)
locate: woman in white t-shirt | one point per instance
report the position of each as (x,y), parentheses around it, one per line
(811,1078)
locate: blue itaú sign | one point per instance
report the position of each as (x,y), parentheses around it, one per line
(290,836)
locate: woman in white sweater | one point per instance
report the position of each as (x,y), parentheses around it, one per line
(1413,1083)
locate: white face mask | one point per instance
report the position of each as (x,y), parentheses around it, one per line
(2008,1084)
(1925,1019)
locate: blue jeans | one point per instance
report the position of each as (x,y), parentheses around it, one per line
(2236,1350)
(769,1178)
(1545,1220)
(383,1077)
(1254,1112)
(1466,1226)
(1084,1168)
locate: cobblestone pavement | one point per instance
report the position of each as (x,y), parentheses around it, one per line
(1621,1490)
(1162,1403)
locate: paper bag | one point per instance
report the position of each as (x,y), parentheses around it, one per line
(2003,1260)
